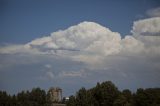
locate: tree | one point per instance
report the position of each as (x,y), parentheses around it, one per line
(129,97)
(84,97)
(143,98)
(38,96)
(124,99)
(81,97)
(106,93)
(103,94)
(120,101)
(5,99)
(72,101)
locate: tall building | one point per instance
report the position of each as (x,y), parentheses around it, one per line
(55,94)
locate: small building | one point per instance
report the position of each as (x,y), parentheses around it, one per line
(66,98)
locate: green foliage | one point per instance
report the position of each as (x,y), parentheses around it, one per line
(124,99)
(103,94)
(120,101)
(36,97)
(107,94)
(72,101)
(147,97)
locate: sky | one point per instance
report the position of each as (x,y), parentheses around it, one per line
(77,43)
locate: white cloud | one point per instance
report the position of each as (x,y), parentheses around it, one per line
(84,38)
(48,66)
(18,48)
(89,52)
(147,31)
(131,46)
(155,12)
(90,42)
(147,27)
(50,75)
(11,49)
(80,73)
(88,37)
(93,44)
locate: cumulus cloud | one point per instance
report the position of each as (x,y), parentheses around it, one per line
(86,37)
(147,31)
(90,42)
(18,49)
(147,27)
(95,45)
(131,46)
(155,12)
(88,53)
(11,49)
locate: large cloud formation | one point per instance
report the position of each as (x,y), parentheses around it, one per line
(86,37)
(89,40)
(91,50)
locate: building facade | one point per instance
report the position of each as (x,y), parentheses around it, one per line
(55,94)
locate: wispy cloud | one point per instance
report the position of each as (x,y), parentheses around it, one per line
(74,73)
(48,66)
(155,12)
(49,75)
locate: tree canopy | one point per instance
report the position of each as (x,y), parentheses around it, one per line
(107,94)
(103,94)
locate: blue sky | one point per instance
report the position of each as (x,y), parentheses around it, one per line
(75,43)
(24,20)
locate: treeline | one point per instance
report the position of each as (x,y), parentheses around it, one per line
(107,94)
(103,94)
(35,97)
